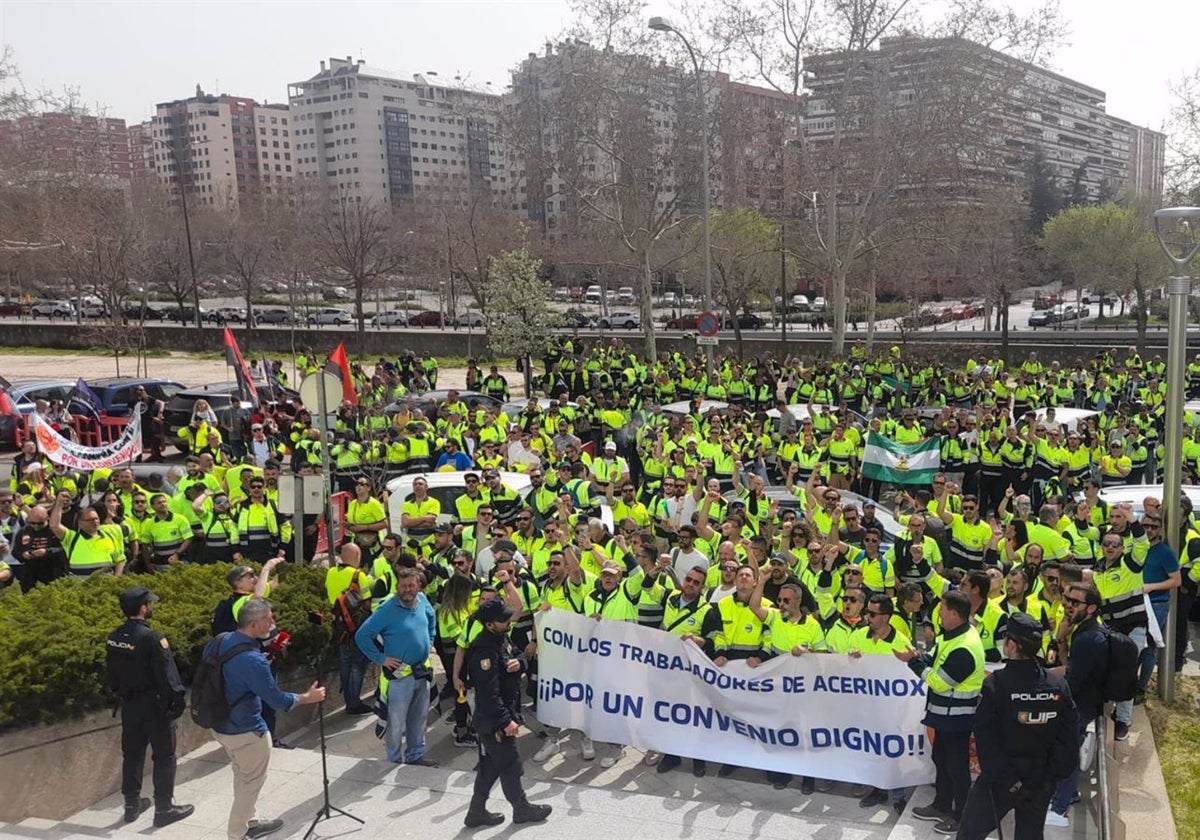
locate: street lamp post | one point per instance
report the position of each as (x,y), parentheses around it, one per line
(187,226)
(1177,229)
(662,24)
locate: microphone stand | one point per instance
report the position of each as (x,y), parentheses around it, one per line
(327,811)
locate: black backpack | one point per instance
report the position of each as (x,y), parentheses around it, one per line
(210,709)
(1120,680)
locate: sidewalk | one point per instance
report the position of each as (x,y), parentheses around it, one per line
(629,800)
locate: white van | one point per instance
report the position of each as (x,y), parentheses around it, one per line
(594,294)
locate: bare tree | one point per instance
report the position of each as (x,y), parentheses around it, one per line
(1183,141)
(357,242)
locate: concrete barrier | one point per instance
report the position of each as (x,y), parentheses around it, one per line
(54,771)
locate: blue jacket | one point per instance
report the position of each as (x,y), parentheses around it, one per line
(248,683)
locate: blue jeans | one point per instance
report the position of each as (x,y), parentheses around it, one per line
(1060,803)
(408,706)
(352,665)
(1123,713)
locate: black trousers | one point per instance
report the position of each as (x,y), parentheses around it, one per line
(952,760)
(988,803)
(498,760)
(144,723)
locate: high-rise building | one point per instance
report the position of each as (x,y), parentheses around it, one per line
(222,148)
(586,124)
(62,145)
(1008,112)
(367,134)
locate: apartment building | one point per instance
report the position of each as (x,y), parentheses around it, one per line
(1015,111)
(64,145)
(367,134)
(222,149)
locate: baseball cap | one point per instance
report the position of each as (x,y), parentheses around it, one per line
(254,427)
(778,558)
(610,568)
(610,445)
(443,528)
(133,598)
(868,503)
(505,545)
(491,473)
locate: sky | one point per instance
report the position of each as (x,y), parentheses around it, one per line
(124,57)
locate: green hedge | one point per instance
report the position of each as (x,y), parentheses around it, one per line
(52,639)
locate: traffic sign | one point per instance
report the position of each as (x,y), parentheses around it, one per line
(708,324)
(707,340)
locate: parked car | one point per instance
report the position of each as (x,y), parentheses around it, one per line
(627,320)
(684,322)
(625,295)
(575,320)
(116,393)
(594,294)
(390,318)
(185,314)
(800,303)
(14,307)
(53,309)
(19,398)
(275,316)
(471,319)
(1042,318)
(818,304)
(430,401)
(1105,298)
(670,300)
(148,312)
(426,318)
(93,310)
(220,397)
(337,293)
(226,315)
(746,321)
(561,293)
(336,317)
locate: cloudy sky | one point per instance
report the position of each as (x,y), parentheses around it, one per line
(124,56)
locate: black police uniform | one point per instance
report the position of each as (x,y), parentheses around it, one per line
(1027,737)
(141,670)
(497,699)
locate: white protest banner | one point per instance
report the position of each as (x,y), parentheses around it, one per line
(822,715)
(61,450)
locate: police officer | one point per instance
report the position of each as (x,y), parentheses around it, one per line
(142,672)
(494,670)
(1026,733)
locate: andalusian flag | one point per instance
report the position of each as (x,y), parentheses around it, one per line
(901,463)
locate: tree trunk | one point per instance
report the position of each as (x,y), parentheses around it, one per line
(651,343)
(1002,320)
(872,308)
(359,326)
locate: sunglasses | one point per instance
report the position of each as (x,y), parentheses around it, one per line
(852,600)
(1078,602)
(1108,544)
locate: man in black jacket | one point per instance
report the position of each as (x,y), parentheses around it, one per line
(1086,669)
(1026,733)
(494,669)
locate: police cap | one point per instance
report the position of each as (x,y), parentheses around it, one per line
(493,610)
(1023,627)
(133,598)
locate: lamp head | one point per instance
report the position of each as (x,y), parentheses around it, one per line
(661,24)
(1178,232)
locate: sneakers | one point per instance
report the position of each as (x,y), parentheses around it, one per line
(929,813)
(281,745)
(466,740)
(422,762)
(948,826)
(361,709)
(651,758)
(589,750)
(482,818)
(1056,820)
(610,760)
(546,750)
(529,813)
(172,814)
(807,786)
(668,763)
(133,810)
(1120,731)
(380,729)
(261,828)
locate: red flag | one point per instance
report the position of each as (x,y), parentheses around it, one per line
(247,392)
(340,365)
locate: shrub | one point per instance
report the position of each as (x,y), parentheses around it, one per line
(52,639)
